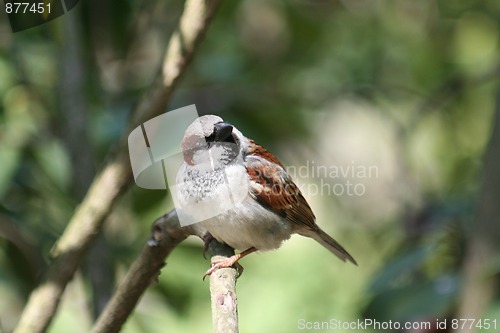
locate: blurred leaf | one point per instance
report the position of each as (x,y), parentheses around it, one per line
(416,301)
(6,75)
(19,121)
(403,264)
(21,269)
(476,40)
(39,62)
(54,161)
(10,158)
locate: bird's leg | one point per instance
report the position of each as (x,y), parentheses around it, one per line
(228,262)
(207,238)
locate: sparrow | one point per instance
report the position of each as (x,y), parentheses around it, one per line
(241,194)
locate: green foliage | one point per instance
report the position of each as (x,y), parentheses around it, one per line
(421,300)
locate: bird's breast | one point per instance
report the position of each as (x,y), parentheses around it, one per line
(202,194)
(248,224)
(220,200)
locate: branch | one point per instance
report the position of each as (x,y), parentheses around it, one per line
(116,174)
(223,291)
(166,235)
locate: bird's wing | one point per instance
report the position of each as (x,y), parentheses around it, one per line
(272,187)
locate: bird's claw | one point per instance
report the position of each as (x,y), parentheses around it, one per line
(225,263)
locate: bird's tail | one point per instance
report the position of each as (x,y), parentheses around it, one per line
(331,244)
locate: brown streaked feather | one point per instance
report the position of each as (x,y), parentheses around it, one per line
(255,149)
(273,187)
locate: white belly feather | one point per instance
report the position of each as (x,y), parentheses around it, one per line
(248,225)
(222,204)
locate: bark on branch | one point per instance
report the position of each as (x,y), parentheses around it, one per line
(166,235)
(116,174)
(223,291)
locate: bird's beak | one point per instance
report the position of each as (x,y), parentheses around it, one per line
(222,131)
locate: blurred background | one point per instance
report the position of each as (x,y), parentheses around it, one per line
(383,110)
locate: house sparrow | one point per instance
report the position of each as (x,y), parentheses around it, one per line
(241,193)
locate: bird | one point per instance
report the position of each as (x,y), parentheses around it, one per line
(241,194)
